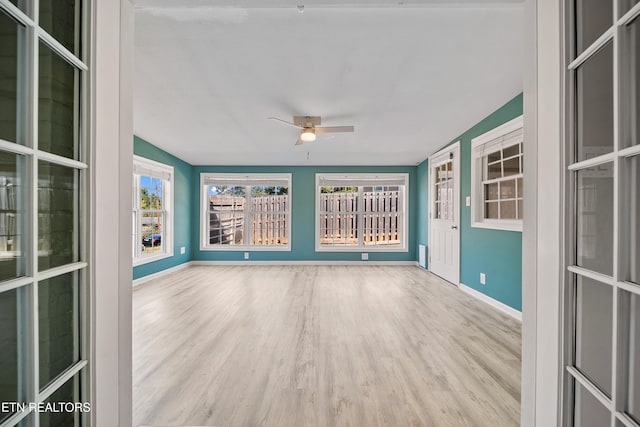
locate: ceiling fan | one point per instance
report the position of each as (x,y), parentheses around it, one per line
(310,127)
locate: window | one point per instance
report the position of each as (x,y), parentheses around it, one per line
(361,212)
(496,177)
(249,211)
(152,211)
(44,180)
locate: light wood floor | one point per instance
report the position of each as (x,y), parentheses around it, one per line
(320,346)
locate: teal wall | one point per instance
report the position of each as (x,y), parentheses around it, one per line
(422,212)
(183,185)
(496,253)
(303,215)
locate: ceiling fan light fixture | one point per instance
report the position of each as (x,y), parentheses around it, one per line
(308,135)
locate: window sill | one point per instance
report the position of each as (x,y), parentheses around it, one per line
(499,225)
(146,260)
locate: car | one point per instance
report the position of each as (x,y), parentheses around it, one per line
(152,240)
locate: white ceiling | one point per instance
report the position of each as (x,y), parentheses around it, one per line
(409,77)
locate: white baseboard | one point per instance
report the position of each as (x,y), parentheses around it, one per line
(492,302)
(310,262)
(149,277)
(184,265)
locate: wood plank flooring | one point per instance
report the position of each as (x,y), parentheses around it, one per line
(320,346)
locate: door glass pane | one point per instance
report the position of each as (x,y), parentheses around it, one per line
(450,201)
(11,258)
(588,411)
(630,86)
(57,215)
(594,318)
(58,325)
(69,392)
(593,17)
(626,5)
(631,307)
(595,218)
(10,34)
(9,345)
(27,421)
(594,105)
(57,101)
(631,207)
(22,4)
(61,19)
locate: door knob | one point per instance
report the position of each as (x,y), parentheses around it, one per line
(454,227)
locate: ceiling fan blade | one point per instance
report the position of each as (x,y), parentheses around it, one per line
(334,129)
(285,122)
(299,141)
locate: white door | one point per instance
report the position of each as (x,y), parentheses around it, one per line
(444,218)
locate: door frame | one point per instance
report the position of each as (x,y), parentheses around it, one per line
(455,149)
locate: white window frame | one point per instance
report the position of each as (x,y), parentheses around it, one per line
(356,180)
(229,178)
(165,172)
(493,137)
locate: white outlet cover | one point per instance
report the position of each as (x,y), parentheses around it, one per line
(483,279)
(468,201)
(183,249)
(246,255)
(365,256)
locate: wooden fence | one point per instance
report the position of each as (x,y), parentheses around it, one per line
(268,220)
(339,216)
(340,213)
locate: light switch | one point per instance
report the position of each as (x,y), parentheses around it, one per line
(468,201)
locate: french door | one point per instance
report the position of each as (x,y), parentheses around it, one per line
(44,343)
(601,339)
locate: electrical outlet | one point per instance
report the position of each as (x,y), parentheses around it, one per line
(246,255)
(183,250)
(365,256)
(483,279)
(468,200)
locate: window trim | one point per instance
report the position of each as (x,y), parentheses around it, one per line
(404,247)
(477,197)
(168,205)
(204,213)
